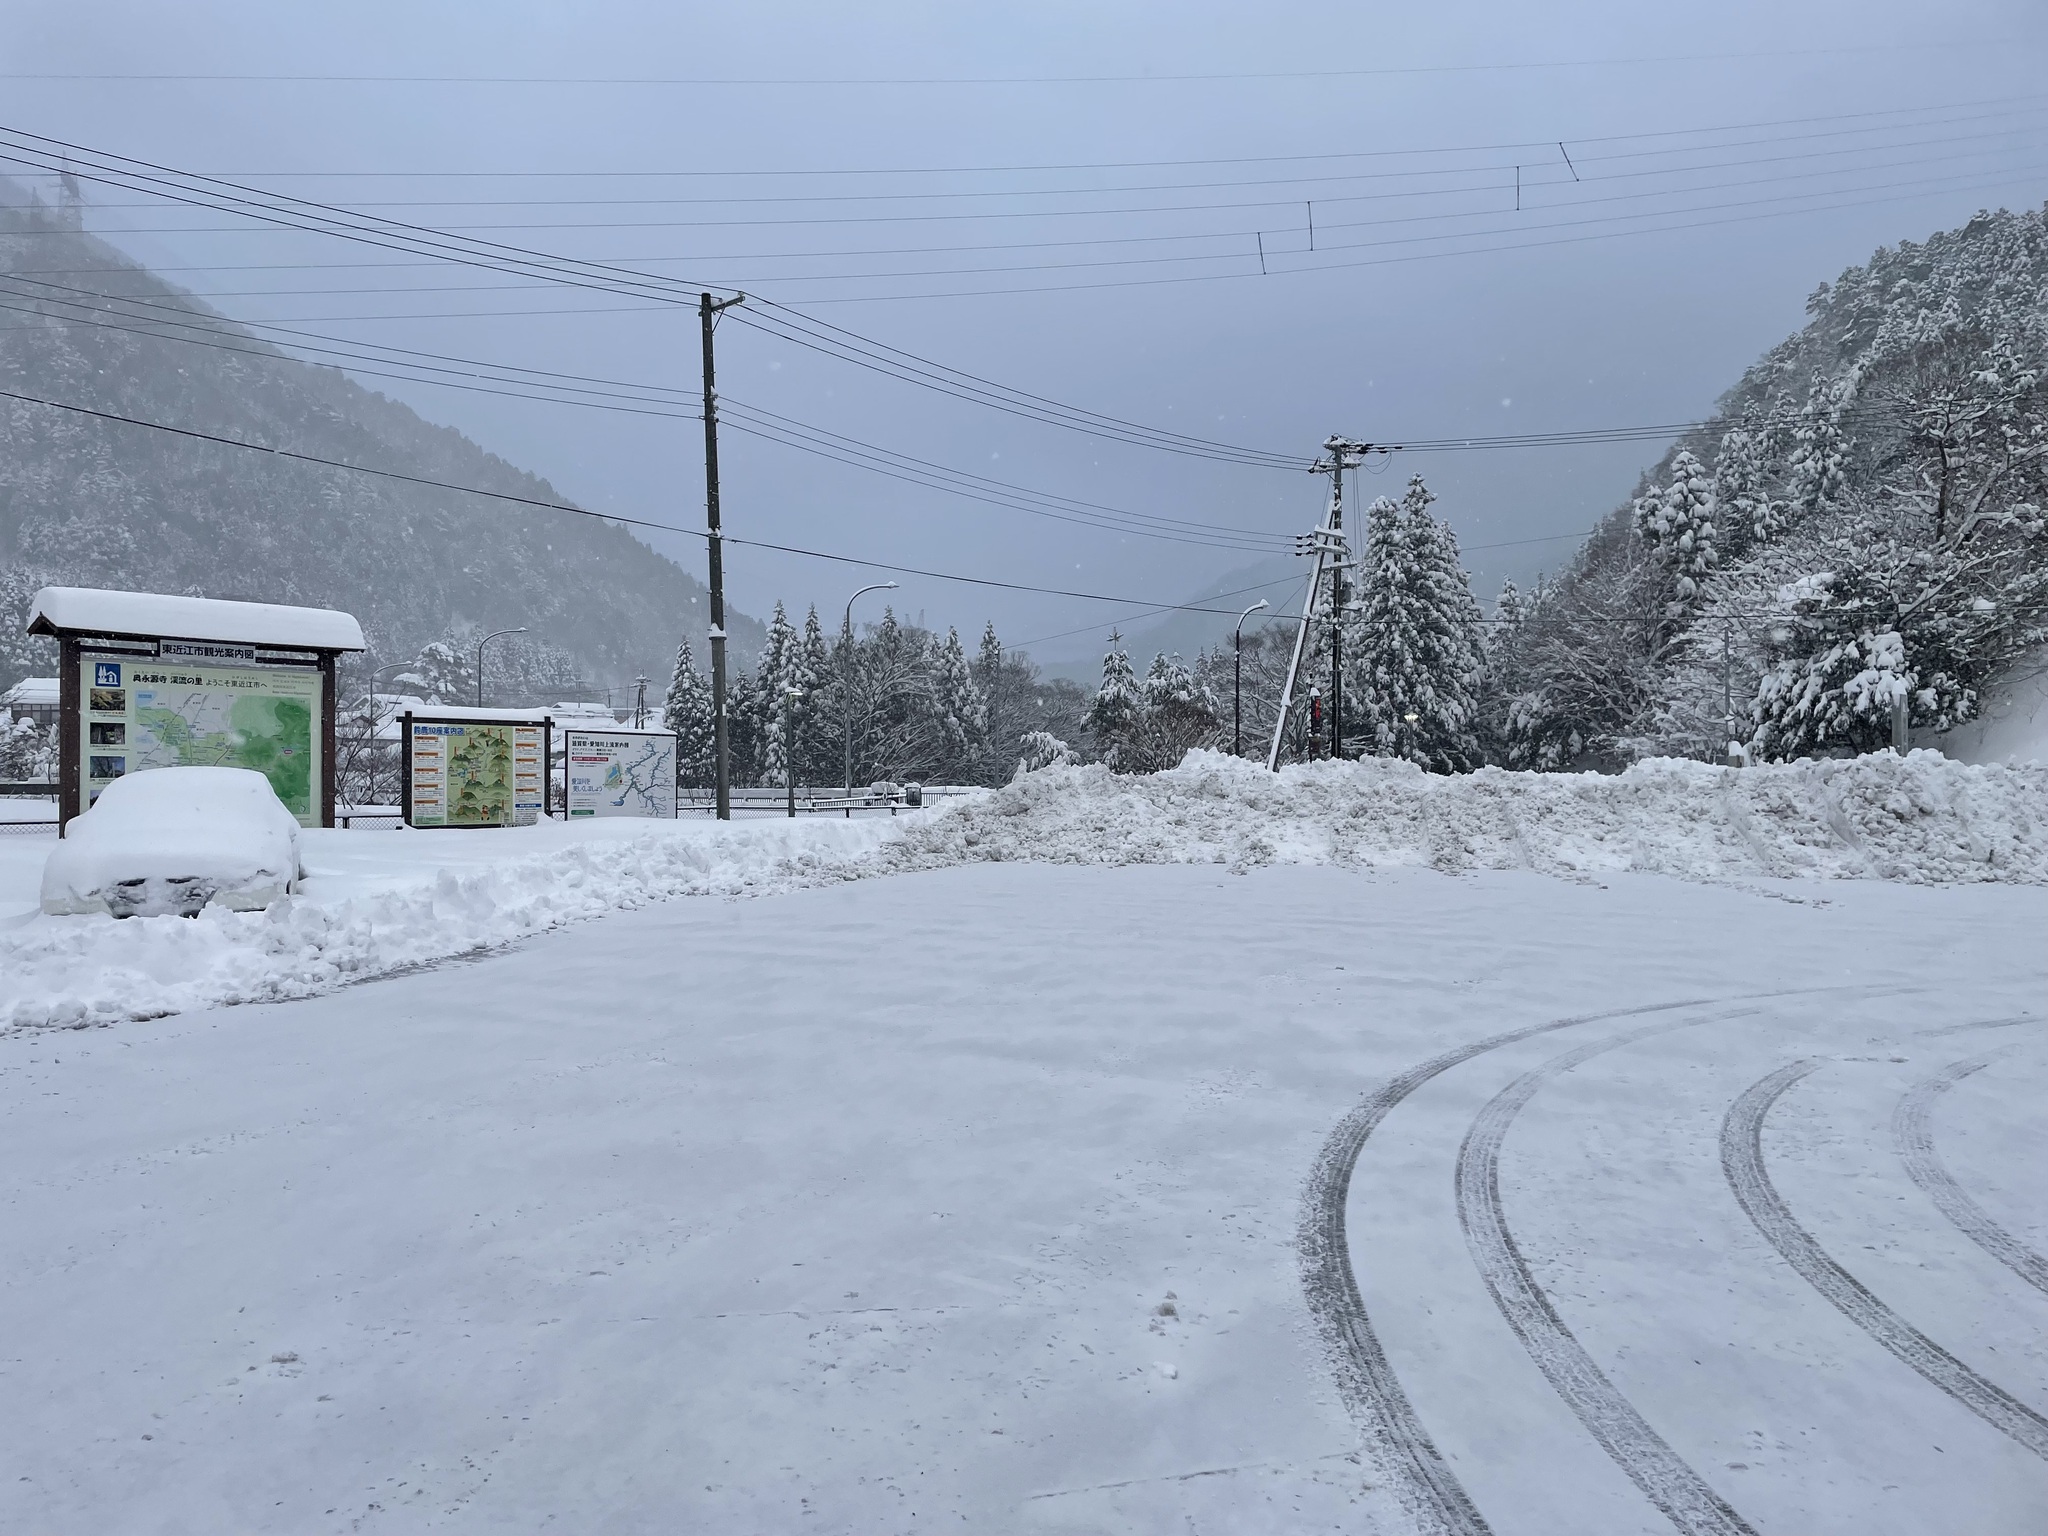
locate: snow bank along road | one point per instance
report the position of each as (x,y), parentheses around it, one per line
(974,1199)
(376,903)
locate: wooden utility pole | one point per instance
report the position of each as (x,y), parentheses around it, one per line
(707,315)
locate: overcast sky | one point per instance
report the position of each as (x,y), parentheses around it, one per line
(1689,174)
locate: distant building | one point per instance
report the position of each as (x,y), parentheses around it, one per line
(35,698)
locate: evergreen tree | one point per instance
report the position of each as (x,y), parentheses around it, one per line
(687,712)
(1819,458)
(959,717)
(776,672)
(1679,522)
(1177,713)
(1744,514)
(1113,717)
(818,730)
(744,744)
(1413,649)
(988,676)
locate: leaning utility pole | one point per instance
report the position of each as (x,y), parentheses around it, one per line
(707,316)
(1332,554)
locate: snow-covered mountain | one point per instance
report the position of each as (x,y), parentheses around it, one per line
(98,503)
(1859,523)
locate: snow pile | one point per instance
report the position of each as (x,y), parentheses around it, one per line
(1922,819)
(87,970)
(374,903)
(172,841)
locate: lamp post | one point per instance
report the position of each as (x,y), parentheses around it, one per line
(1237,681)
(846,678)
(487,639)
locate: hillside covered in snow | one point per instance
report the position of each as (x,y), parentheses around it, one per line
(87,502)
(1860,521)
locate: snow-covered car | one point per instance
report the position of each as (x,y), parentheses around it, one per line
(171,840)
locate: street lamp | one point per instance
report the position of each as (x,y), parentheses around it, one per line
(790,694)
(846,680)
(1237,681)
(487,639)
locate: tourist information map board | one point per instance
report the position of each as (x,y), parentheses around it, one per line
(623,772)
(172,711)
(475,773)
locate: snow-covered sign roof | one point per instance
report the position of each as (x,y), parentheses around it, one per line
(32,690)
(88,610)
(481,716)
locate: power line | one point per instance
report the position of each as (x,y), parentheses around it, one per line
(1157,78)
(1318,179)
(323,218)
(1498,146)
(559,506)
(773,421)
(767,425)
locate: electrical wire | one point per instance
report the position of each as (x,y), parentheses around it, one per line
(744,418)
(1162,78)
(609,517)
(302,214)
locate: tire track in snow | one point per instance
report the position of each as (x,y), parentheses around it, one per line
(1366,1381)
(1913,1131)
(1666,1479)
(1742,1160)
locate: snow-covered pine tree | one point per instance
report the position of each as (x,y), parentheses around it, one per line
(819,723)
(1113,717)
(1679,522)
(687,712)
(1042,749)
(1501,670)
(1818,469)
(959,718)
(442,673)
(744,745)
(988,676)
(1177,714)
(1412,651)
(1745,516)
(777,671)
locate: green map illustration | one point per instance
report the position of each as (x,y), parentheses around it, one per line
(204,723)
(480,777)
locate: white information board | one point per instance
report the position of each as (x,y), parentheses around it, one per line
(623,772)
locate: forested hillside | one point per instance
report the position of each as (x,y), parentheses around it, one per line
(1860,522)
(96,503)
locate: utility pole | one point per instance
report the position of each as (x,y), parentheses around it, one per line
(789,698)
(707,316)
(1328,545)
(639,703)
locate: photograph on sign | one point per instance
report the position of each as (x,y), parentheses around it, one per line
(620,773)
(185,714)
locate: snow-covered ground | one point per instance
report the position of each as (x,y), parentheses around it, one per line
(1019,1197)
(375,902)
